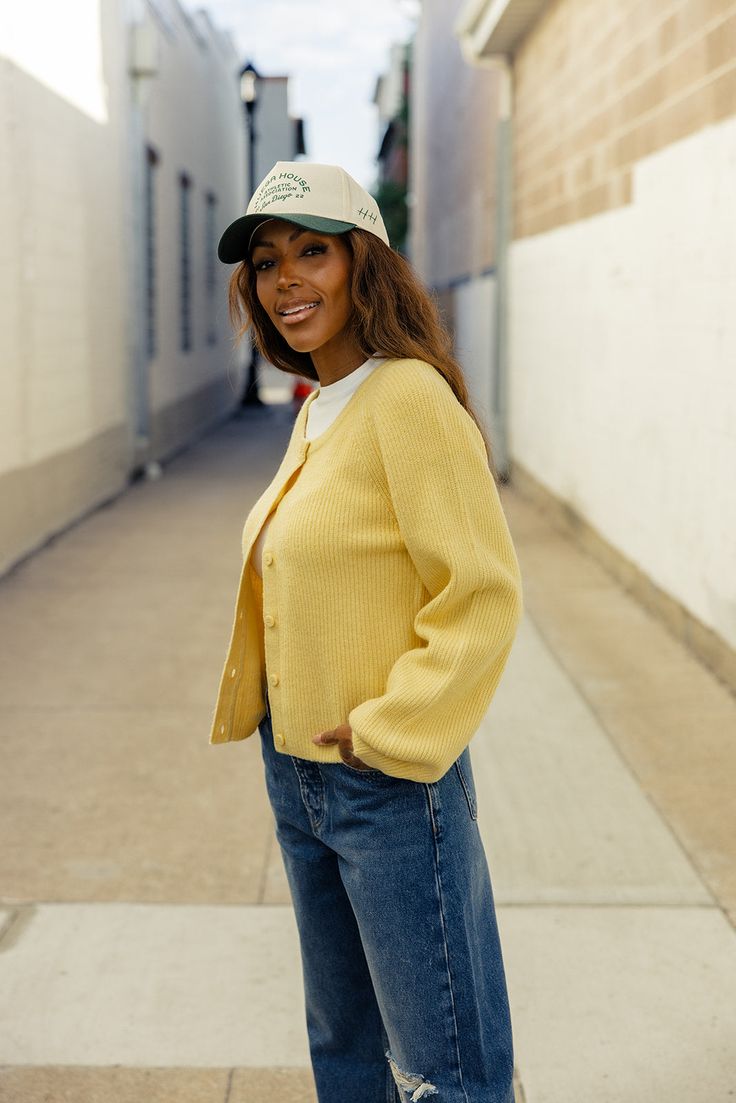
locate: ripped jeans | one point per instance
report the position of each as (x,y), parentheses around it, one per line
(404,984)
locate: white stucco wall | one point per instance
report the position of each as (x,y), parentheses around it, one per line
(623,370)
(76,387)
(62,254)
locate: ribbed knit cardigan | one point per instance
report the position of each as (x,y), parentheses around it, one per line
(391,590)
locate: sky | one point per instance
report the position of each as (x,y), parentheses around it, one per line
(333,51)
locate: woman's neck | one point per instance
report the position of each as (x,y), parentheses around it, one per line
(335,362)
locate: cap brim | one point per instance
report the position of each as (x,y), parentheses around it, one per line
(233,245)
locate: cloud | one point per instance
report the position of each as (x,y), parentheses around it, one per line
(334,50)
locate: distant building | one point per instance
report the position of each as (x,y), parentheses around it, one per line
(392,97)
(279,135)
(453,231)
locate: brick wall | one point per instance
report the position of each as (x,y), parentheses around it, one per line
(599,85)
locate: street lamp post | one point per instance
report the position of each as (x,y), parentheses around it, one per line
(249,95)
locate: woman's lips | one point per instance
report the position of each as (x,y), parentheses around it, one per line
(298,315)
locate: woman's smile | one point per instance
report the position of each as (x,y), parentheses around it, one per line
(294,314)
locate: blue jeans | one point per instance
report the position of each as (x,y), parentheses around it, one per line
(404,984)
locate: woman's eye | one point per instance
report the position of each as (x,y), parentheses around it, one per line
(316,247)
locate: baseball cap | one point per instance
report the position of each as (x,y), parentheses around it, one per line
(319,197)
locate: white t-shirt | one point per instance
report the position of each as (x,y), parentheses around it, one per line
(322,412)
(331,399)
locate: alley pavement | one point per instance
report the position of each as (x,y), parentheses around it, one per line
(148,949)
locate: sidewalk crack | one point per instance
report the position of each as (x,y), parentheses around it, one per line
(228,1089)
(14,925)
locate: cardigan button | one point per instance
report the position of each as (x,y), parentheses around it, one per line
(274,679)
(268,558)
(268,619)
(279,739)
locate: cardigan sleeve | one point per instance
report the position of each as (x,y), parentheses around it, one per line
(431,465)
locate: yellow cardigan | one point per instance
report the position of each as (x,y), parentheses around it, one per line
(391,590)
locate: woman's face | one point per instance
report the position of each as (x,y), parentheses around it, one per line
(303,283)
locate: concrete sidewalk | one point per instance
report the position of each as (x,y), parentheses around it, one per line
(144,908)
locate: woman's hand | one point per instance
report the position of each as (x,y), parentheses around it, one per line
(343,736)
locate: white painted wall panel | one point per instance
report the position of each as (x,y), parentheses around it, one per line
(64,361)
(475,313)
(623,370)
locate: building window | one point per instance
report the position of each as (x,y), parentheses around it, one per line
(149,231)
(210,277)
(185,264)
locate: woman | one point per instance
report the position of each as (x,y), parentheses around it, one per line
(378,602)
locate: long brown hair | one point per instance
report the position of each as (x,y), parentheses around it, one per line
(394,314)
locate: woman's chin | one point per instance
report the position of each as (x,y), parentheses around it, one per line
(301,347)
(301,342)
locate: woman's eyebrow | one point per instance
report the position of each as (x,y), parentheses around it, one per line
(292,237)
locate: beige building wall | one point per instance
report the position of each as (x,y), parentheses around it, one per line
(65,441)
(598,86)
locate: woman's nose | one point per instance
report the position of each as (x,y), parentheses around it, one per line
(287,274)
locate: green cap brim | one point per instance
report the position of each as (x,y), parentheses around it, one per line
(233,246)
